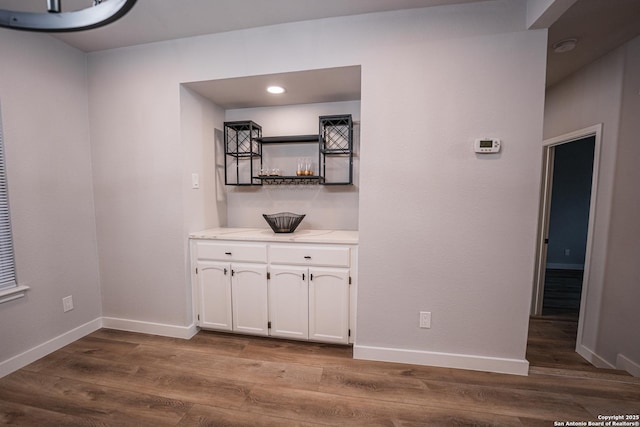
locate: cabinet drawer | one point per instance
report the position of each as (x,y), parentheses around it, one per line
(309,255)
(227,251)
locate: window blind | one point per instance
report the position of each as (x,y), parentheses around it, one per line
(7,264)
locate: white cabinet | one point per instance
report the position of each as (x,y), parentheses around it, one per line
(232,252)
(249,299)
(231,296)
(329,305)
(289,302)
(299,291)
(316,255)
(310,302)
(214,295)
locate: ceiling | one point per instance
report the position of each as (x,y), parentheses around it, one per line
(599,25)
(158,20)
(302,87)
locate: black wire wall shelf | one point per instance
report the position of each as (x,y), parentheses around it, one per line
(291,180)
(288,139)
(243,144)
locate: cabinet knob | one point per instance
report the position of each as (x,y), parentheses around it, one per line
(227,253)
(307,257)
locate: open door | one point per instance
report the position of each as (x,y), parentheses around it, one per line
(549,159)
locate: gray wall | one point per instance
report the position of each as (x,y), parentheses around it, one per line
(618,339)
(434,218)
(606,92)
(432,214)
(43,96)
(325,207)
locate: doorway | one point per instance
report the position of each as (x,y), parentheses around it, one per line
(569,184)
(568,225)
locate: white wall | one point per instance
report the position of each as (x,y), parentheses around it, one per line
(442,229)
(43,96)
(137,154)
(435,220)
(326,207)
(204,207)
(543,13)
(617,340)
(592,96)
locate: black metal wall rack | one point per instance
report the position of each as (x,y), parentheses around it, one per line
(243,142)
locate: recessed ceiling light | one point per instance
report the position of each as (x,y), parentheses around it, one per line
(564,45)
(275,89)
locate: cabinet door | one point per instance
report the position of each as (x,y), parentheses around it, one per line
(249,297)
(289,302)
(214,294)
(329,305)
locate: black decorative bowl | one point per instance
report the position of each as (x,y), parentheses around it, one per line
(283,222)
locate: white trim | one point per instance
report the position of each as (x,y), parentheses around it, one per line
(13,293)
(543,229)
(574,136)
(591,357)
(626,364)
(444,360)
(21,360)
(538,290)
(597,131)
(184,332)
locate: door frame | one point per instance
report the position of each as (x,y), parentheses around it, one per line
(548,146)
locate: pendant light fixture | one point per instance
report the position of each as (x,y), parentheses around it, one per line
(102,12)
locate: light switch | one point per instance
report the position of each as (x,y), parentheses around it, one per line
(195,180)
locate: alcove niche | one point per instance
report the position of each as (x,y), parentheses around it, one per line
(308,95)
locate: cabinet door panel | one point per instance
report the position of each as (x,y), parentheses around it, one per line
(289,302)
(329,305)
(309,255)
(214,286)
(232,251)
(249,297)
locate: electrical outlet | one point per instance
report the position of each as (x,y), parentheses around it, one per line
(425,319)
(67,303)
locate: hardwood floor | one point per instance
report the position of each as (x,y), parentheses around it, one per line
(114,378)
(552,343)
(562,290)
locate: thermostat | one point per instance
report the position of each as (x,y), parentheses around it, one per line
(487,145)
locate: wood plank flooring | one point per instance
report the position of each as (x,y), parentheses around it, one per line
(562,290)
(114,378)
(552,344)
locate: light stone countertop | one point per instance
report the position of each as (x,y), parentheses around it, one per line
(348,237)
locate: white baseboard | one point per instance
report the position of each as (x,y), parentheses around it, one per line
(444,360)
(184,332)
(593,358)
(23,359)
(626,364)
